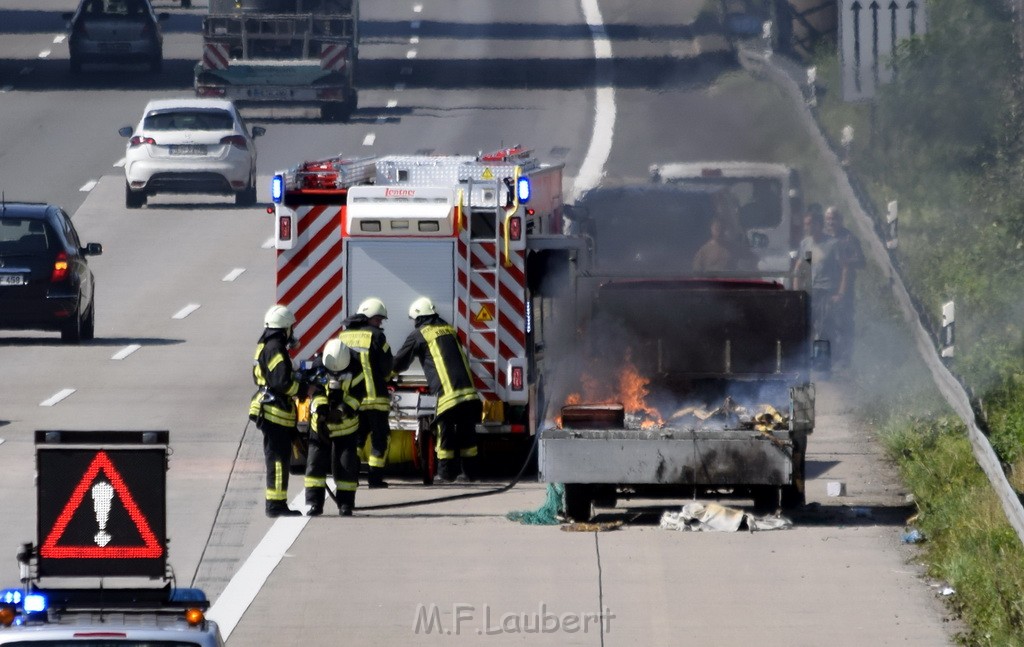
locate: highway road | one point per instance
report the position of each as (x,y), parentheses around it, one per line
(607,88)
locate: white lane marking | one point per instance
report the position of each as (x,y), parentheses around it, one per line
(57,40)
(592,168)
(411,54)
(121,162)
(44,53)
(56,397)
(369,139)
(393,103)
(417,8)
(1,441)
(126,351)
(415,40)
(233,274)
(249,579)
(88,186)
(186,311)
(268,243)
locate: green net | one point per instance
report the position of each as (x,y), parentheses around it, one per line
(547,514)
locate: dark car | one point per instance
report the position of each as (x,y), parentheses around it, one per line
(115,31)
(45,281)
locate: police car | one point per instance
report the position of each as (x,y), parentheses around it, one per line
(167,616)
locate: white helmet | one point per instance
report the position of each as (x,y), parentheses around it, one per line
(336,355)
(422,307)
(372,307)
(279,317)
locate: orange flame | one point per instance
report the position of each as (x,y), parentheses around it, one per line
(631,393)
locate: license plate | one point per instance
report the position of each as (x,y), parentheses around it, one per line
(12,279)
(269,93)
(188,149)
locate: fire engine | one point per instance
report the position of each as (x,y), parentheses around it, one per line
(473,233)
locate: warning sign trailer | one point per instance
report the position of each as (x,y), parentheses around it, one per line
(101,503)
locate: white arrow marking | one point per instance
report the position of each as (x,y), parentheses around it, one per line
(57,397)
(186,311)
(126,351)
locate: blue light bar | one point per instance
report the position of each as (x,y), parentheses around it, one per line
(35,603)
(277,188)
(523,189)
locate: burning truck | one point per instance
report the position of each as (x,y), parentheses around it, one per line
(690,383)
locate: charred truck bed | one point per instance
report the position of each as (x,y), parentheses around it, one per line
(724,402)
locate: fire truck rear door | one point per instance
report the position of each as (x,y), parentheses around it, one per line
(397,272)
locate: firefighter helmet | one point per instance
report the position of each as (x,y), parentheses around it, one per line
(422,307)
(372,307)
(279,317)
(336,355)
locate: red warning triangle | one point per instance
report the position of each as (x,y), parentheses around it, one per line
(150,549)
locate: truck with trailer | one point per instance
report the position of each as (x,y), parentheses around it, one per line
(281,52)
(472,232)
(685,383)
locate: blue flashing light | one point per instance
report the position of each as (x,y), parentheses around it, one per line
(277,188)
(12,596)
(188,595)
(523,189)
(35,603)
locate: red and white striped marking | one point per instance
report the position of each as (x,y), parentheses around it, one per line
(333,57)
(215,56)
(309,276)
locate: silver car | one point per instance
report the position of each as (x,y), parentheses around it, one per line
(115,31)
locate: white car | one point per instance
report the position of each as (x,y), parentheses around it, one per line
(190,146)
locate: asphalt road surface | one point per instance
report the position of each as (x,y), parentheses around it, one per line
(607,88)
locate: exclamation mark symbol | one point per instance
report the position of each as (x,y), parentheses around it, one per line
(102,495)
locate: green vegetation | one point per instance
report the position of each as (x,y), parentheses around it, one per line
(946,139)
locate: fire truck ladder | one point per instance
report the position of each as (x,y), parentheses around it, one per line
(484,286)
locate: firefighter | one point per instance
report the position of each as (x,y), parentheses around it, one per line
(334,423)
(435,343)
(273,407)
(364,334)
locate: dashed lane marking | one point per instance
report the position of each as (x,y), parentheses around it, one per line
(88,186)
(411,54)
(417,8)
(369,139)
(415,40)
(56,397)
(44,53)
(392,103)
(233,274)
(268,243)
(186,311)
(57,40)
(126,351)
(121,162)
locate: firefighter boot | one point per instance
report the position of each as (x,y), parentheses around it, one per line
(315,501)
(447,470)
(469,470)
(346,502)
(281,509)
(375,480)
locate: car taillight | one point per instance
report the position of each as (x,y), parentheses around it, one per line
(235,140)
(60,268)
(207,91)
(139,141)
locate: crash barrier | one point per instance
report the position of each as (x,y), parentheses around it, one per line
(949,385)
